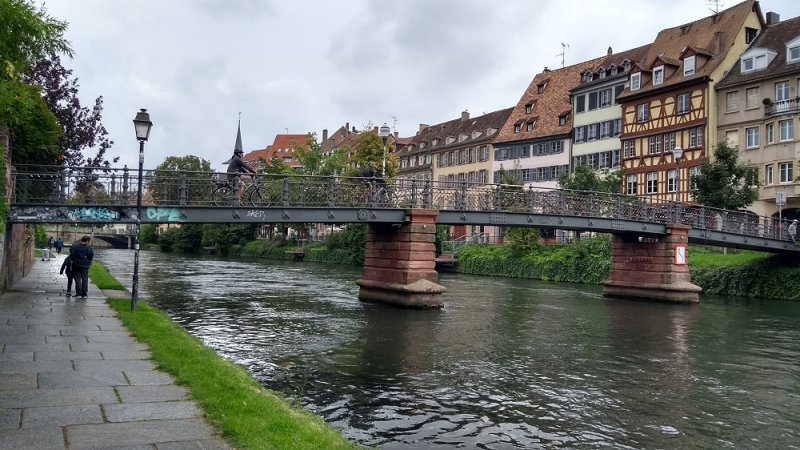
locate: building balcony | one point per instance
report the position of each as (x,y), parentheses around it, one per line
(791,106)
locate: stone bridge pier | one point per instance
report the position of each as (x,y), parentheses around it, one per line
(652,268)
(400,263)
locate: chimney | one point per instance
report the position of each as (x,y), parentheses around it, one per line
(464,116)
(396,135)
(422,127)
(610,52)
(773,18)
(347,126)
(546,69)
(324,135)
(354,129)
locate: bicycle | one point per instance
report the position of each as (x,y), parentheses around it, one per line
(225,194)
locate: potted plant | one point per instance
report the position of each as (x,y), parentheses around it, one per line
(767,101)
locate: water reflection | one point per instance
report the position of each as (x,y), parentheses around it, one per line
(506,364)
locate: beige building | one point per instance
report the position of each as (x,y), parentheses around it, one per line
(758,110)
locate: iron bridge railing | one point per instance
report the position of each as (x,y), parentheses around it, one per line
(40,186)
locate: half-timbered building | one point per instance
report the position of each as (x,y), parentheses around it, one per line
(670,101)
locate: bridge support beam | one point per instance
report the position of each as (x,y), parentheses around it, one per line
(652,268)
(400,263)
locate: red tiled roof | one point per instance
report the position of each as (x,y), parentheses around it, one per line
(282,148)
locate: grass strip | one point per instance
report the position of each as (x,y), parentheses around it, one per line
(102,278)
(247,415)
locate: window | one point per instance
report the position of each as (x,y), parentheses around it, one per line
(752,137)
(617,127)
(529,126)
(688,66)
(669,141)
(752,98)
(754,62)
(591,132)
(641,112)
(602,72)
(528,108)
(696,137)
(562,120)
(683,104)
(482,176)
(651,146)
(782,91)
(628,149)
(768,177)
(652,182)
(793,54)
(732,101)
(580,104)
(580,133)
(540,88)
(658,75)
(516,128)
(770,129)
(593,100)
(672,180)
(605,129)
(605,97)
(786,128)
(612,70)
(636,81)
(785,172)
(462,157)
(630,185)
(750,34)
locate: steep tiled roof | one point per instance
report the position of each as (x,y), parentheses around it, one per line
(474,128)
(773,38)
(282,147)
(553,100)
(711,36)
(614,59)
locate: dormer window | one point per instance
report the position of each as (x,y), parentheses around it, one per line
(636,81)
(540,88)
(602,73)
(491,131)
(516,128)
(626,65)
(793,51)
(757,59)
(529,126)
(422,145)
(658,75)
(688,66)
(476,134)
(449,140)
(436,142)
(562,120)
(613,70)
(528,108)
(587,76)
(462,137)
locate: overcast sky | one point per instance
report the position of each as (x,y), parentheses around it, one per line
(305,65)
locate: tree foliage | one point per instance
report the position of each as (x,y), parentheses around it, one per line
(725,182)
(28,34)
(584,178)
(33,130)
(369,152)
(82,127)
(166,178)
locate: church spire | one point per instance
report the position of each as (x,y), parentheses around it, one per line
(238,145)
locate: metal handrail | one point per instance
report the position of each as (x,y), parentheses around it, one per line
(53,185)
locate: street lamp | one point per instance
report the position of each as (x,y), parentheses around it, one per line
(677,154)
(142,125)
(384,132)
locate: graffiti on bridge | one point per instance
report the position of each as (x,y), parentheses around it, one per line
(165,214)
(66,214)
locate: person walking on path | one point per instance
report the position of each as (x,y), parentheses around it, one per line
(59,245)
(66,268)
(793,230)
(81,254)
(50,243)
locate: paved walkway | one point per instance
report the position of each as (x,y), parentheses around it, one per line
(71,377)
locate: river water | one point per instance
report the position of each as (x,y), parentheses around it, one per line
(507,363)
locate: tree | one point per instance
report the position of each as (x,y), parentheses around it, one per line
(275,166)
(584,178)
(369,151)
(724,182)
(33,129)
(311,157)
(166,178)
(82,127)
(28,34)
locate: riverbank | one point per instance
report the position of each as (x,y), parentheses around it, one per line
(733,272)
(246,414)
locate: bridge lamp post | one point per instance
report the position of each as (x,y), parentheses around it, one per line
(142,125)
(677,154)
(384,132)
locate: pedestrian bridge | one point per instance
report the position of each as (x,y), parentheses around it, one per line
(649,237)
(102,196)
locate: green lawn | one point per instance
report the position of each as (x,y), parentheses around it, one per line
(705,257)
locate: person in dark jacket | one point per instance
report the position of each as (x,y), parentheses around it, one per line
(66,268)
(81,254)
(236,167)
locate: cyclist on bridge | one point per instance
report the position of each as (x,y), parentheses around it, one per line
(236,167)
